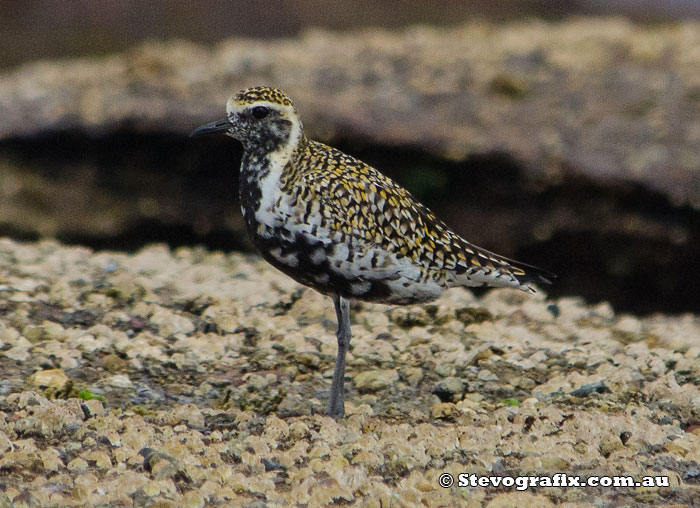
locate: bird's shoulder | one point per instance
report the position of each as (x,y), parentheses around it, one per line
(341,179)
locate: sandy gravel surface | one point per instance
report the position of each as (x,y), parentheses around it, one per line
(212,369)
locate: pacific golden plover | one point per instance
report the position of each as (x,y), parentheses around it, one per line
(337,225)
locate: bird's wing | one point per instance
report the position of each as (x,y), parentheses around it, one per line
(370,211)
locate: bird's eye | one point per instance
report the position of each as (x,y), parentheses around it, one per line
(260,112)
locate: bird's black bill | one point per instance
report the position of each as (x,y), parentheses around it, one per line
(210,128)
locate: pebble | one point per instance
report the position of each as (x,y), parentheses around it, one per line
(486,375)
(443,410)
(375,380)
(18,353)
(77,465)
(192,499)
(444,370)
(412,375)
(170,323)
(119,381)
(451,385)
(101,459)
(51,378)
(5,443)
(51,459)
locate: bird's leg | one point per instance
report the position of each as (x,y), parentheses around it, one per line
(336,403)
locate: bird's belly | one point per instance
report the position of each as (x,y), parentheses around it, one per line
(334,265)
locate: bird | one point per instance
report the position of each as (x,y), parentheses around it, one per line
(338,225)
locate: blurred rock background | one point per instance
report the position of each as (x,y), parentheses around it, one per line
(566,134)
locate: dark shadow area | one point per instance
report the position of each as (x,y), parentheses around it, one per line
(149,231)
(121,191)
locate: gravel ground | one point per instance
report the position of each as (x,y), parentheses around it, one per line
(194,378)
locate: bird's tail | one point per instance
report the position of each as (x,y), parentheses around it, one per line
(527,274)
(489,269)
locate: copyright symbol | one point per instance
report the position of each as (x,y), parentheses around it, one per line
(445,480)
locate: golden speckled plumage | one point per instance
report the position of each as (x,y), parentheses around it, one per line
(262,93)
(360,202)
